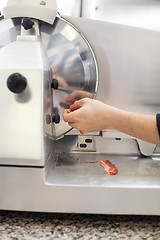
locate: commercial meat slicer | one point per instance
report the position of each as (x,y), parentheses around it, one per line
(46,63)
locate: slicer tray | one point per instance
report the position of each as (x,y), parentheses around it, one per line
(84,169)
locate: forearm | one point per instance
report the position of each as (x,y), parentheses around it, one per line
(137,125)
(88,115)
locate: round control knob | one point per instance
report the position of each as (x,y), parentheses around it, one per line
(56,118)
(27,23)
(16,83)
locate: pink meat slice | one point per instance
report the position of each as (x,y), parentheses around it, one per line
(109,167)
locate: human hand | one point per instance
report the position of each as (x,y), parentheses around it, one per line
(88,115)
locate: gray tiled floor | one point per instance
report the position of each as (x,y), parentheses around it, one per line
(21,225)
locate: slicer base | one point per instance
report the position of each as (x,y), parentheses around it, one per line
(71,184)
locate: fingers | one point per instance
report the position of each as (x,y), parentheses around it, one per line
(69,115)
(74,116)
(71,100)
(66,112)
(66,115)
(77,105)
(76,126)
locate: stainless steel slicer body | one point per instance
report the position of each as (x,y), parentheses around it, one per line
(46,63)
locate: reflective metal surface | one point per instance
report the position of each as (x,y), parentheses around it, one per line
(84,169)
(78,187)
(128,61)
(73,64)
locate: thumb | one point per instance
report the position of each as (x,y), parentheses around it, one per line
(65,114)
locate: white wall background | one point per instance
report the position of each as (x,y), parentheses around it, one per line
(142,13)
(69,7)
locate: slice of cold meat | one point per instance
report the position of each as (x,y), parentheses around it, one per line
(109,167)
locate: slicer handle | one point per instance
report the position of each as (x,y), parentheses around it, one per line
(16,83)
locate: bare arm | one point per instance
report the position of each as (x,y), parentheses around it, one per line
(138,125)
(88,115)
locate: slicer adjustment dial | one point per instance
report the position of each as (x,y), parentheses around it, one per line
(16,83)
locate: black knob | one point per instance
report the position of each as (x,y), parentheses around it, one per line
(56,118)
(48,118)
(16,83)
(54,83)
(27,23)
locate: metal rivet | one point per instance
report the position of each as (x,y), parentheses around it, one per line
(43,3)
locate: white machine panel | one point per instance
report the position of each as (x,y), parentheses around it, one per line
(21,114)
